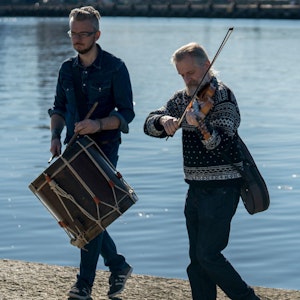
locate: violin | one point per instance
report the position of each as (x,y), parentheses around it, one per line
(204,99)
(202,104)
(207,91)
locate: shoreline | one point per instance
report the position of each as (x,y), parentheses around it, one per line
(232,9)
(38,281)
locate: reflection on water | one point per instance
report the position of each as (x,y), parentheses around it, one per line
(259,63)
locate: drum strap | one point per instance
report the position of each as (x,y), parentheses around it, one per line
(80,97)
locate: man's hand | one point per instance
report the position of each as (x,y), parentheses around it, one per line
(170,124)
(87,126)
(55,148)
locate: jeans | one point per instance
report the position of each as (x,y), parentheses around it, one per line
(208,213)
(102,244)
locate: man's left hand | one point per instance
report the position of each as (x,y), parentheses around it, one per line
(87,126)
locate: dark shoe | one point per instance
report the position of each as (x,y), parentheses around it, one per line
(80,291)
(117,281)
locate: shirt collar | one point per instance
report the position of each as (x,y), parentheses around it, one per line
(97,62)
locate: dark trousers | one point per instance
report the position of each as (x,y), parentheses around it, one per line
(208,213)
(103,244)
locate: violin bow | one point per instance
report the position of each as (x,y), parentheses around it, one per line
(229,31)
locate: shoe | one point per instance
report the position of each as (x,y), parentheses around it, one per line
(80,291)
(117,281)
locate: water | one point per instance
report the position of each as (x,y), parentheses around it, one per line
(260,63)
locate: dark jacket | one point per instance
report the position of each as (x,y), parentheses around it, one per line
(106,81)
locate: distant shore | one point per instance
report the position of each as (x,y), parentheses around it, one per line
(36,281)
(256,10)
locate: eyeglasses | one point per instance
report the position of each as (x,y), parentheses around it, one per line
(80,35)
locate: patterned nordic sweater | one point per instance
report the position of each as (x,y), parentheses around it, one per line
(202,160)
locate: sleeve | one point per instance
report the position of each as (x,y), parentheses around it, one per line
(152,126)
(59,106)
(223,121)
(123,98)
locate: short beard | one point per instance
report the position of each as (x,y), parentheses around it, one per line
(193,86)
(86,50)
(190,89)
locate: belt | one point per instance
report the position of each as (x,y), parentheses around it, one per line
(105,142)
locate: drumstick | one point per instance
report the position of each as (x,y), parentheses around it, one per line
(72,140)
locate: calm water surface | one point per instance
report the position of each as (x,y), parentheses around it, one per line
(260,63)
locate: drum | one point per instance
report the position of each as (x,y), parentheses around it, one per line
(83,191)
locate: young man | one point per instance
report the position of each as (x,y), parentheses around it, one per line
(208,132)
(103,78)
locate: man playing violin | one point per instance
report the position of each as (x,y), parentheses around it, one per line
(208,132)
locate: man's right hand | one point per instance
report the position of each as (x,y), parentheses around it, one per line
(170,124)
(55,148)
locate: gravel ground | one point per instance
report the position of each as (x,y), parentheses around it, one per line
(36,281)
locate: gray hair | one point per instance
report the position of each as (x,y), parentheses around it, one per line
(196,51)
(86,13)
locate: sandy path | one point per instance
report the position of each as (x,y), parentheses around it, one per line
(35,281)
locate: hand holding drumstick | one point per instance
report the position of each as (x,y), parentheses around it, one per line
(55,149)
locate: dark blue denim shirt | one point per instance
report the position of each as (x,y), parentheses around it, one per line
(106,81)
